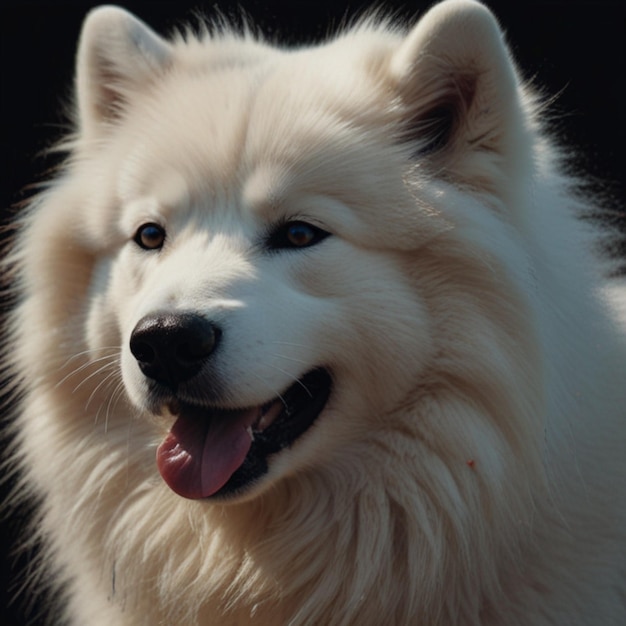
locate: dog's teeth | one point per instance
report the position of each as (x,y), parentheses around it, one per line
(250,432)
(269,414)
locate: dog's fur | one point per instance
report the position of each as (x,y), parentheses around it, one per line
(469,466)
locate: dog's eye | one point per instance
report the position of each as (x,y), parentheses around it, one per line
(150,236)
(296,234)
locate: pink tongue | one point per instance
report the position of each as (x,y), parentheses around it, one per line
(197,457)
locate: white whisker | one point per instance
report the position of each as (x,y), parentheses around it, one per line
(114,398)
(87,352)
(289,358)
(106,382)
(82,367)
(96,373)
(276,394)
(294,378)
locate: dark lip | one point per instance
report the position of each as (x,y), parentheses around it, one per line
(303,402)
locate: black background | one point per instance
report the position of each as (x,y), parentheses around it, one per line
(572,48)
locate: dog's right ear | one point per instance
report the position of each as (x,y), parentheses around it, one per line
(118,56)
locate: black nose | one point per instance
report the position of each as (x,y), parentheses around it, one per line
(171,347)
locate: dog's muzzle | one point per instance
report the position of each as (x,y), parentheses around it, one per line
(214,450)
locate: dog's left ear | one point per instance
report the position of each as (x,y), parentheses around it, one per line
(118,57)
(456,84)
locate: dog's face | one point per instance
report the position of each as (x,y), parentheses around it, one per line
(252,278)
(251,316)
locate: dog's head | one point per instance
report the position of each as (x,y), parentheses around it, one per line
(264,224)
(243,330)
(254,320)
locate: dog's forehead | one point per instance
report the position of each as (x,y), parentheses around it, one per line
(288,116)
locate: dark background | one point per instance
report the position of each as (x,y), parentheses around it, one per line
(573,49)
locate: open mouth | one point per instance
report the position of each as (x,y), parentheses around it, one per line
(213,452)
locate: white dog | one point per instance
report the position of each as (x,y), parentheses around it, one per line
(315,337)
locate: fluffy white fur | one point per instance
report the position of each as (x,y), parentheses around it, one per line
(470,465)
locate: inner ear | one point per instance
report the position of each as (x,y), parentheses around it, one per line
(118,58)
(438,120)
